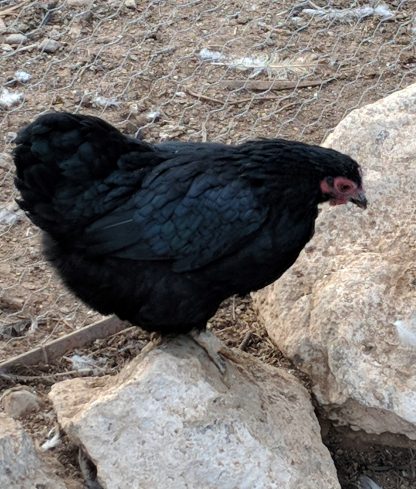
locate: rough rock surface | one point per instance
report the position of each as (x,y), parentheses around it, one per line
(18,402)
(20,465)
(346,311)
(170,420)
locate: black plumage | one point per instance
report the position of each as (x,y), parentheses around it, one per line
(161,234)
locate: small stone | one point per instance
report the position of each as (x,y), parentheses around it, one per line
(17,403)
(130,3)
(10,136)
(15,39)
(21,27)
(153,116)
(78,3)
(5,161)
(22,76)
(9,216)
(75,30)
(49,46)
(134,108)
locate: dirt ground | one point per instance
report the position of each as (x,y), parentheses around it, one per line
(149,70)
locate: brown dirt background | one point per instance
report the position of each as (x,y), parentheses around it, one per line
(146,58)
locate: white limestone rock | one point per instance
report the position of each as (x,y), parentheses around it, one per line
(171,420)
(345,312)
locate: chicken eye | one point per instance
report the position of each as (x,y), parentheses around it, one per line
(344,188)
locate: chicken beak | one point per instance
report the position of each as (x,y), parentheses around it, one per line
(360,200)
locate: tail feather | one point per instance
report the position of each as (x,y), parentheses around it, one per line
(60,157)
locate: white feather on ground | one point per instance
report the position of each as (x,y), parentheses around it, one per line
(367,483)
(34,324)
(271,64)
(85,362)
(53,440)
(105,102)
(351,14)
(8,98)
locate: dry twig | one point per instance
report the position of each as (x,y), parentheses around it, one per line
(47,378)
(205,98)
(56,348)
(263,85)
(244,342)
(9,11)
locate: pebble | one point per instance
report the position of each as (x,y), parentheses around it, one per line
(5,161)
(49,46)
(21,27)
(130,3)
(134,108)
(22,76)
(15,39)
(153,116)
(10,136)
(78,3)
(9,217)
(55,35)
(17,403)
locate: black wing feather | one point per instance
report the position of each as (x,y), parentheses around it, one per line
(192,218)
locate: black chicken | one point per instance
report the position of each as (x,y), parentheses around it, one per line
(161,234)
